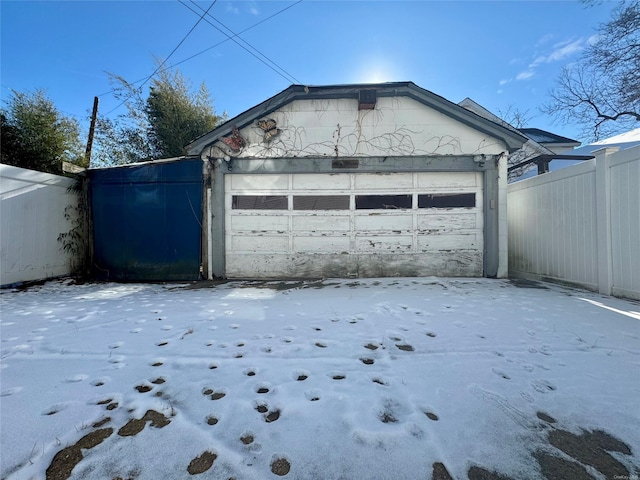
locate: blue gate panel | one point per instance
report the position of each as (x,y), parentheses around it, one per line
(147,221)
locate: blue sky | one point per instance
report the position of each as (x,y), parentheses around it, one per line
(500,53)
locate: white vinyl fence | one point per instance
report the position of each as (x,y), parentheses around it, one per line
(580,224)
(32,216)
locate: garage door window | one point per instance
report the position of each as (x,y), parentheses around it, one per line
(381,202)
(259,202)
(321,202)
(447,200)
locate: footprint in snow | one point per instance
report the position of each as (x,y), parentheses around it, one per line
(404,347)
(143,388)
(10,391)
(53,409)
(312,395)
(500,373)
(115,345)
(214,395)
(280,466)
(157,362)
(543,386)
(135,330)
(75,378)
(430,415)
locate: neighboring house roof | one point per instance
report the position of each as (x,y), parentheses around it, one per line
(511,137)
(578,155)
(623,141)
(548,138)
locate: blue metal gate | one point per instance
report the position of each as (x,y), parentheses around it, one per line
(147,221)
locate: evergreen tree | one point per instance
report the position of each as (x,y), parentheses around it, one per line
(36,135)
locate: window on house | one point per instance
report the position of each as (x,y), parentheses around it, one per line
(371,202)
(259,202)
(447,200)
(321,202)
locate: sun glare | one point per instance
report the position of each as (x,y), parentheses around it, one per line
(377,71)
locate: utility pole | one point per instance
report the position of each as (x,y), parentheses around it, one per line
(94,117)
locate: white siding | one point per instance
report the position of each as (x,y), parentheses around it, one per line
(580,224)
(31,218)
(335,127)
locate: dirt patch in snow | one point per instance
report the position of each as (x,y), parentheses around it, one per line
(568,456)
(280,466)
(66,459)
(202,463)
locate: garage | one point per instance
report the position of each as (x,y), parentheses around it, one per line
(354,225)
(375,180)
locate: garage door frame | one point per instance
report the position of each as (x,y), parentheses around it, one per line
(215,193)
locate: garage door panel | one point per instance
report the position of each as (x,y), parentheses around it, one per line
(335,265)
(449,242)
(260,243)
(383,223)
(378,243)
(254,183)
(259,223)
(321,244)
(318,181)
(439,264)
(442,180)
(321,223)
(447,223)
(391,181)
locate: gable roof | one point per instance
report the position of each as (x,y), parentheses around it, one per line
(542,136)
(512,138)
(531,146)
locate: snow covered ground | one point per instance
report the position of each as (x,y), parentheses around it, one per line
(342,379)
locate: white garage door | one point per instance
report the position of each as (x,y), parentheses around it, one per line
(353,224)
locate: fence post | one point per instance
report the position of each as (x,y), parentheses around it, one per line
(603,219)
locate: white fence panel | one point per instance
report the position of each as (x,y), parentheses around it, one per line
(32,216)
(625,223)
(580,224)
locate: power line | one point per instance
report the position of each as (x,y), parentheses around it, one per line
(235,35)
(172,52)
(286,75)
(215,45)
(181,41)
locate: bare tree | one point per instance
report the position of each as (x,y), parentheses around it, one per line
(515,117)
(602,90)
